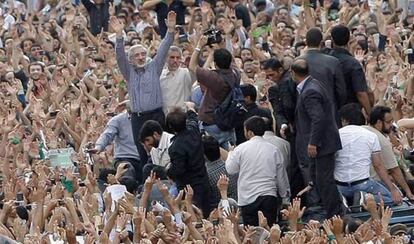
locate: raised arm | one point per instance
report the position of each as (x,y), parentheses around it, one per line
(159,59)
(121,56)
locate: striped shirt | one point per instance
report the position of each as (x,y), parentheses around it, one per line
(144,87)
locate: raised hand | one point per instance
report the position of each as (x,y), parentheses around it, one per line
(117,26)
(171,21)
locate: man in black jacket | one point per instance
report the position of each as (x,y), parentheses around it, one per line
(317,136)
(250,97)
(354,75)
(282,97)
(324,68)
(187,156)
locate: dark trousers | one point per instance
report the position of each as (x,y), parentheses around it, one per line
(311,198)
(201,197)
(322,172)
(270,207)
(134,168)
(137,120)
(293,170)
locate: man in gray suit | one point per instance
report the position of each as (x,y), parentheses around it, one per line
(317,137)
(325,68)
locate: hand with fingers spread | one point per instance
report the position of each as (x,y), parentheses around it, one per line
(117,26)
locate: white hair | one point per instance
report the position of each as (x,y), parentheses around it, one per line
(131,50)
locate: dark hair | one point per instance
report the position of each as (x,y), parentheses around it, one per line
(268,123)
(352,114)
(340,35)
(211,148)
(176,121)
(300,67)
(314,37)
(130,183)
(249,90)
(273,64)
(157,169)
(103,174)
(378,113)
(36,63)
(256,125)
(222,58)
(149,128)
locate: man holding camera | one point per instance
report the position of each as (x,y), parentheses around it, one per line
(216,82)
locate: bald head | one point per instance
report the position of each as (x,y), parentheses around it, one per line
(300,69)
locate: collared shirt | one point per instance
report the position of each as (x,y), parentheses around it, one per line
(299,87)
(175,87)
(119,130)
(260,168)
(144,86)
(281,144)
(354,160)
(214,170)
(387,153)
(160,155)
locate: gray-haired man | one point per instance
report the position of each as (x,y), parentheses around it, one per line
(143,79)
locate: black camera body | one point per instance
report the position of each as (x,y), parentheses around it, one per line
(213,36)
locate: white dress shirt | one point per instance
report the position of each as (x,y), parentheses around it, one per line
(176,87)
(159,155)
(260,168)
(280,143)
(353,161)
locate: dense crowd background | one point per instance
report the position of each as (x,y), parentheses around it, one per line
(131,89)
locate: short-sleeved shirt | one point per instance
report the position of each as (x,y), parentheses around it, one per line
(388,156)
(353,161)
(354,74)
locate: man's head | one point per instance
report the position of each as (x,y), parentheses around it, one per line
(174,58)
(211,148)
(27,45)
(150,134)
(176,121)
(299,69)
(220,7)
(246,53)
(340,35)
(222,58)
(35,70)
(269,124)
(35,50)
(351,114)
(249,93)
(274,70)
(254,126)
(138,55)
(314,37)
(130,183)
(381,119)
(248,68)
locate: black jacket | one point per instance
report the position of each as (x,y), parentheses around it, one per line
(252,110)
(353,74)
(187,155)
(327,70)
(282,97)
(315,120)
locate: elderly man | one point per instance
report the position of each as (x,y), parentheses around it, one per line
(176,82)
(143,79)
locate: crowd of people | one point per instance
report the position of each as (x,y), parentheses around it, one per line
(215,121)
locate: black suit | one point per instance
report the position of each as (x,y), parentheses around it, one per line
(328,71)
(315,125)
(282,97)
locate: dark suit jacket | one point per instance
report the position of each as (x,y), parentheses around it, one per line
(282,97)
(328,71)
(315,120)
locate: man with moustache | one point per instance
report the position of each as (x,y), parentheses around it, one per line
(176,82)
(143,79)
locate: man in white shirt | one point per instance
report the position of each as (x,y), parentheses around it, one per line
(156,141)
(176,82)
(360,149)
(279,142)
(262,177)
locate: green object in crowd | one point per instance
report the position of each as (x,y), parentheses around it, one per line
(122,84)
(15,140)
(261,30)
(68,185)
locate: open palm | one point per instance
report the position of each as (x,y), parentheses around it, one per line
(116,25)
